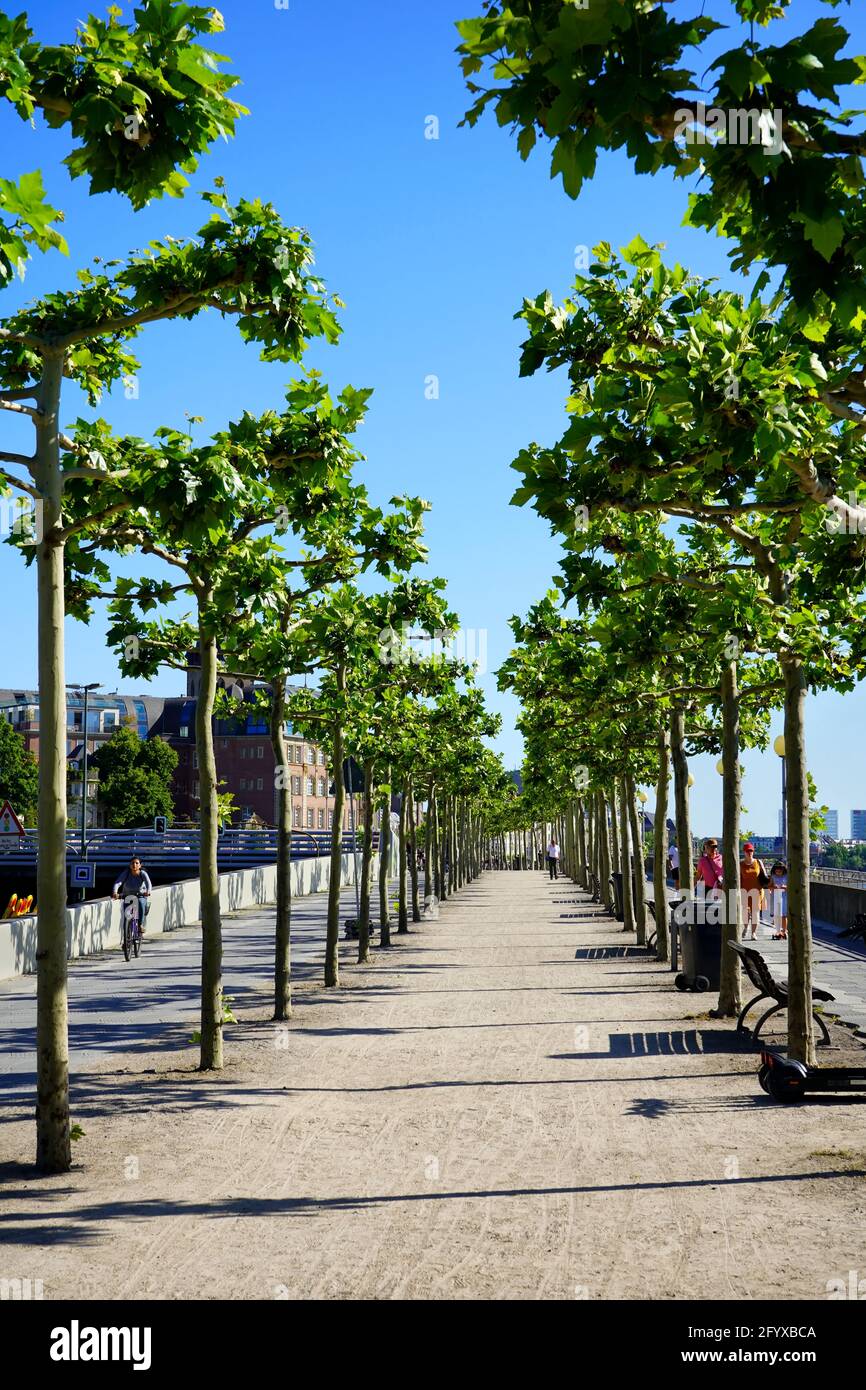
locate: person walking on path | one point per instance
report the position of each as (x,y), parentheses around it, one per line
(674,864)
(779,889)
(553,857)
(710,868)
(753,880)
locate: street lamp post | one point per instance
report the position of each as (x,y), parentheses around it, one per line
(779,750)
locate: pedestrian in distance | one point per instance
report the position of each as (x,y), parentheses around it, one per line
(779,890)
(753,880)
(710,869)
(553,857)
(674,864)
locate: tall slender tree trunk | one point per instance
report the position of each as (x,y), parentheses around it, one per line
(637,844)
(730,994)
(581,843)
(384,864)
(615,849)
(628,920)
(53,1146)
(413,853)
(332,937)
(660,848)
(402,914)
(681,798)
(801,1028)
(366,866)
(211,922)
(283,931)
(429,874)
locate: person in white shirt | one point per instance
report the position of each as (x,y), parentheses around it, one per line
(553,858)
(674,862)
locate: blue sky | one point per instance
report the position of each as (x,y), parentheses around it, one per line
(433,244)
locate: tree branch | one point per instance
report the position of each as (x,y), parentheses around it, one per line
(16,482)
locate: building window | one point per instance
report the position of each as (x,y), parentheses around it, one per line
(109,719)
(260,784)
(321,820)
(330,820)
(195,789)
(243,750)
(78,719)
(195,757)
(321,755)
(296,786)
(310,787)
(322,787)
(298,753)
(296,817)
(224,743)
(309,820)
(260,751)
(184,731)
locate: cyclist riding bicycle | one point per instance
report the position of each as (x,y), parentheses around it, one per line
(135,881)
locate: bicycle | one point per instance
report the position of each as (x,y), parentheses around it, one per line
(131,927)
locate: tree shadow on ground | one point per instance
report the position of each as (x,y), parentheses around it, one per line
(87,1224)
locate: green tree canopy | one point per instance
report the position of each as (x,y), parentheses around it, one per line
(134,778)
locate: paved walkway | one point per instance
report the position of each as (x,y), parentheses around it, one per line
(512,1102)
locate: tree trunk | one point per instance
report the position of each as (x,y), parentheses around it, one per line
(332,937)
(681,798)
(801,1028)
(429,876)
(211,922)
(730,996)
(384,864)
(402,914)
(628,919)
(53,1146)
(637,843)
(660,849)
(283,933)
(366,867)
(413,852)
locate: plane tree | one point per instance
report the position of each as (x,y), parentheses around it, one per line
(249,266)
(760,131)
(688,403)
(141,102)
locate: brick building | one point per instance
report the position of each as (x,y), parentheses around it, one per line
(245,761)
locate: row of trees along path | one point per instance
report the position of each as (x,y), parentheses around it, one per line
(708,487)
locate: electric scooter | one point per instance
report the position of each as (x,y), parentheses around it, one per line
(789,1081)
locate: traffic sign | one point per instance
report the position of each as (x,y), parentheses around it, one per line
(83,875)
(9,822)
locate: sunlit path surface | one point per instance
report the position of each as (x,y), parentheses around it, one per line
(513,1102)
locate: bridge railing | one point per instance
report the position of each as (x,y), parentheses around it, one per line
(121,845)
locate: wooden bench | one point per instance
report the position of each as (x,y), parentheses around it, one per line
(595,887)
(769,987)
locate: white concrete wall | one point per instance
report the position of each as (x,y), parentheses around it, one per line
(95,926)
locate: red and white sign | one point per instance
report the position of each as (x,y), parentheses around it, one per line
(9,822)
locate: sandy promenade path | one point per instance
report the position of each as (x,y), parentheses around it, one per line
(510,1103)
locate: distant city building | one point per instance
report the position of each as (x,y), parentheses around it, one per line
(517,778)
(245,760)
(831,824)
(858,825)
(106,712)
